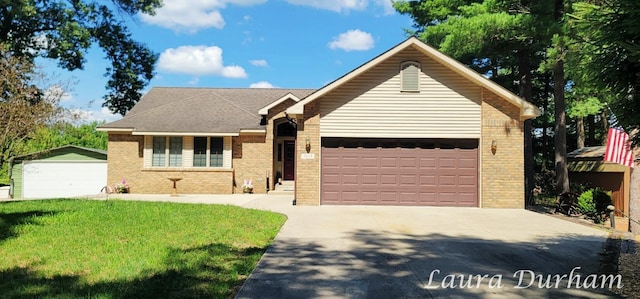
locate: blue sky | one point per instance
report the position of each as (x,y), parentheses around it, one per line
(246,43)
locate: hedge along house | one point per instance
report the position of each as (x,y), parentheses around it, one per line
(67,171)
(410,127)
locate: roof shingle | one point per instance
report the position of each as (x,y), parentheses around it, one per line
(201,110)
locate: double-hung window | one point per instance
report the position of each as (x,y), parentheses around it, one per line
(208,151)
(167,151)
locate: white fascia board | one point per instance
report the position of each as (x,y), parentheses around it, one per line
(265,109)
(183,134)
(253,131)
(123,130)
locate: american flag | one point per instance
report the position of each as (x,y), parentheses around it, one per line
(618,148)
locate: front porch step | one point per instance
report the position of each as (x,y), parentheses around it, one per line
(289,186)
(276,192)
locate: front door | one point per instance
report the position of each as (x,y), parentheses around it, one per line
(289,159)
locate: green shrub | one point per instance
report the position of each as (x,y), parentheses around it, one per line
(593,204)
(586,205)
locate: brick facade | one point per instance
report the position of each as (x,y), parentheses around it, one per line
(125,161)
(502,173)
(252,160)
(308,178)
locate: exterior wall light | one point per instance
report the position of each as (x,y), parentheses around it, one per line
(494,146)
(307,144)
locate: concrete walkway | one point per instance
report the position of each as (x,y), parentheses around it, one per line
(418,252)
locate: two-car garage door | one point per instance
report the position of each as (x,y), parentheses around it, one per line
(427,172)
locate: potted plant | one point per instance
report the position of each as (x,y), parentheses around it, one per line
(247,187)
(122,187)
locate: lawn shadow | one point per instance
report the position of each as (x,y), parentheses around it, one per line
(371,264)
(210,271)
(9,221)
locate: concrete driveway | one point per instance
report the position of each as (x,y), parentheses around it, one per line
(425,252)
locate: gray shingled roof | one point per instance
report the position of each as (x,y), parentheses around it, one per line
(201,110)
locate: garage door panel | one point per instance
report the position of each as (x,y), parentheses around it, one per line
(408,162)
(408,181)
(370,179)
(467,180)
(428,163)
(447,180)
(393,175)
(369,162)
(388,162)
(467,163)
(388,180)
(428,180)
(447,163)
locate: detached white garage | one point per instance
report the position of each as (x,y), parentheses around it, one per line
(67,171)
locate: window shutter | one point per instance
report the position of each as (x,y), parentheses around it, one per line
(410,76)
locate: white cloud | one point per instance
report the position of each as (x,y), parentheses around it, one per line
(259,62)
(261,84)
(193,15)
(352,40)
(198,60)
(333,5)
(387,6)
(77,115)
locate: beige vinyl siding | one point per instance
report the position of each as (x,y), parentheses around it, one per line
(226,152)
(148,151)
(373,104)
(187,151)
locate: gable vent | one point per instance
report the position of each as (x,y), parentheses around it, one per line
(410,76)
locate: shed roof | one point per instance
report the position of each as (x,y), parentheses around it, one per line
(52,151)
(200,110)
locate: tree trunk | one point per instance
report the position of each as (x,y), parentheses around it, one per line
(545,125)
(524,68)
(591,140)
(580,129)
(560,138)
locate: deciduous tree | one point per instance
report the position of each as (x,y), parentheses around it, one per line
(23,107)
(65,30)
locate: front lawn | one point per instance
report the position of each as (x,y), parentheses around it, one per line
(128,249)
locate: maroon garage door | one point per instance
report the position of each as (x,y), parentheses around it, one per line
(399,172)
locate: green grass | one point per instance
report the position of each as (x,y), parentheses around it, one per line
(128,249)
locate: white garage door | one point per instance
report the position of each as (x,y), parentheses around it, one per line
(62,179)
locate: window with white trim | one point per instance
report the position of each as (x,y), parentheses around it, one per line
(187,152)
(208,151)
(167,151)
(410,76)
